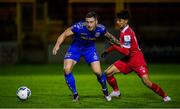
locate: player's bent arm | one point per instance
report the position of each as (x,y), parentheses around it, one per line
(112,39)
(106,51)
(122,50)
(68,32)
(110,49)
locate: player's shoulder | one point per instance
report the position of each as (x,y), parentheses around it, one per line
(101,27)
(79,25)
(129,31)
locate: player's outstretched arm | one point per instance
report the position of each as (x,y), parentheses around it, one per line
(68,32)
(112,39)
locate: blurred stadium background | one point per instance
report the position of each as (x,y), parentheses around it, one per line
(29,28)
(28,32)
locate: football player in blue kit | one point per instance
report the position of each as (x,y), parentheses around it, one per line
(83,45)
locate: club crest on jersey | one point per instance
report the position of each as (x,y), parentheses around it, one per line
(97,34)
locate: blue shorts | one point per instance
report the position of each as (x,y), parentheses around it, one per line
(89,53)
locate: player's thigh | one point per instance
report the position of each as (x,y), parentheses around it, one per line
(122,66)
(96,67)
(73,53)
(91,55)
(68,65)
(111,70)
(141,70)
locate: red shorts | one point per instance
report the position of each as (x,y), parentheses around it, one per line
(126,68)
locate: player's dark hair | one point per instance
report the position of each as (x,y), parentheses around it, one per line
(91,14)
(124,14)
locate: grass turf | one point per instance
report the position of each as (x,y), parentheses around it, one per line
(49,89)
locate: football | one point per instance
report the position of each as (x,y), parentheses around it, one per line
(23,93)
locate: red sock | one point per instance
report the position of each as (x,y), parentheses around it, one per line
(158,90)
(112,82)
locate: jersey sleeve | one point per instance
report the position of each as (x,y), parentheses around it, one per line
(124,51)
(110,49)
(76,27)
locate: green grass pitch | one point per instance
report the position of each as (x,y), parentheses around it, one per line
(49,89)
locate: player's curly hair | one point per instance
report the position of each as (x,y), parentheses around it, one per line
(91,14)
(124,14)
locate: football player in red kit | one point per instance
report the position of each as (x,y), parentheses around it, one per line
(133,61)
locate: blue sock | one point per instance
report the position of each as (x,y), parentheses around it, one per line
(70,81)
(102,81)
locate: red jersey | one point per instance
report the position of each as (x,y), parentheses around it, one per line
(130,48)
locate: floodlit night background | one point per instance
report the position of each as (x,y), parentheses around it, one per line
(30,28)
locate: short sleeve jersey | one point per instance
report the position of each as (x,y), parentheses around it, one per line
(84,37)
(128,40)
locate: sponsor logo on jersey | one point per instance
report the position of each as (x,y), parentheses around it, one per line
(87,38)
(83,34)
(127,38)
(127,41)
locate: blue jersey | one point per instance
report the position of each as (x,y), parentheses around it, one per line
(84,42)
(84,37)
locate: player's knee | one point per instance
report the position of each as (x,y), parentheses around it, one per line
(108,73)
(147,82)
(67,69)
(98,73)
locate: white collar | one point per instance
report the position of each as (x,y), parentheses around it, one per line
(125,28)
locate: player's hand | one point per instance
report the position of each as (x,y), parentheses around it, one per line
(104,54)
(55,49)
(111,43)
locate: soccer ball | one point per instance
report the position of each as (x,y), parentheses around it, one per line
(23,93)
